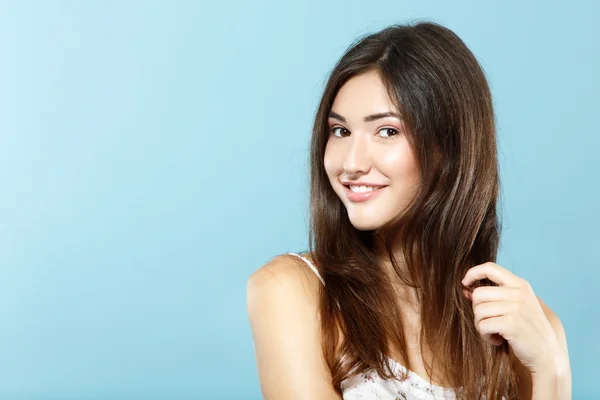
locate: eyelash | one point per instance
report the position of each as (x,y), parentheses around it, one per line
(332,130)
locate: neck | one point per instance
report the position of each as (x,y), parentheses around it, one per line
(399,277)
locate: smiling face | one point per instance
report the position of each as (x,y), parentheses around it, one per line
(367,146)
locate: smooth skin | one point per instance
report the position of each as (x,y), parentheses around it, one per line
(282,304)
(282,296)
(536,337)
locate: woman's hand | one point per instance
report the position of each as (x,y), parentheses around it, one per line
(513,313)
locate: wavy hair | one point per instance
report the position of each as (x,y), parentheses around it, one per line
(451,224)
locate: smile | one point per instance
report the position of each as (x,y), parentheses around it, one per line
(362,193)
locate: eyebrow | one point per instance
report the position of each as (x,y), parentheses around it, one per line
(368,118)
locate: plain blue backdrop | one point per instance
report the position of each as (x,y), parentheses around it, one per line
(153,154)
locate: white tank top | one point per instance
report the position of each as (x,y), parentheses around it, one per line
(369,385)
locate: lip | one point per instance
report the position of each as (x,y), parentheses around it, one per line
(360,197)
(352,183)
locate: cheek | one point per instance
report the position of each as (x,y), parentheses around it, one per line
(400,163)
(331,162)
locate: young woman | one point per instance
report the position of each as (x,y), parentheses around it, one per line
(399,296)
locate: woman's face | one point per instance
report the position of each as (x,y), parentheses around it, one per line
(367,148)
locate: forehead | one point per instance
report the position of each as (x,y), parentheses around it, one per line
(363,94)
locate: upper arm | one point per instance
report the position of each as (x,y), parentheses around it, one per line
(282,304)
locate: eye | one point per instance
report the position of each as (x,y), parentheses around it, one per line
(335,129)
(390,132)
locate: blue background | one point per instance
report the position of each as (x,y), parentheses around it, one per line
(154,154)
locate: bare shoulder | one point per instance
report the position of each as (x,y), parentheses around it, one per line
(282,302)
(285,272)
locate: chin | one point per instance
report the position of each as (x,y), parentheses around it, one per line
(365,225)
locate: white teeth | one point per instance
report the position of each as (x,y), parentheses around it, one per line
(363,189)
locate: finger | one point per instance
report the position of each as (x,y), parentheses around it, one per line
(492,309)
(493,272)
(489,327)
(484,294)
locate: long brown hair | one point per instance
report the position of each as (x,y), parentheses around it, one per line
(451,224)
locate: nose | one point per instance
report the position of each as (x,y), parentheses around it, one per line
(357,159)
